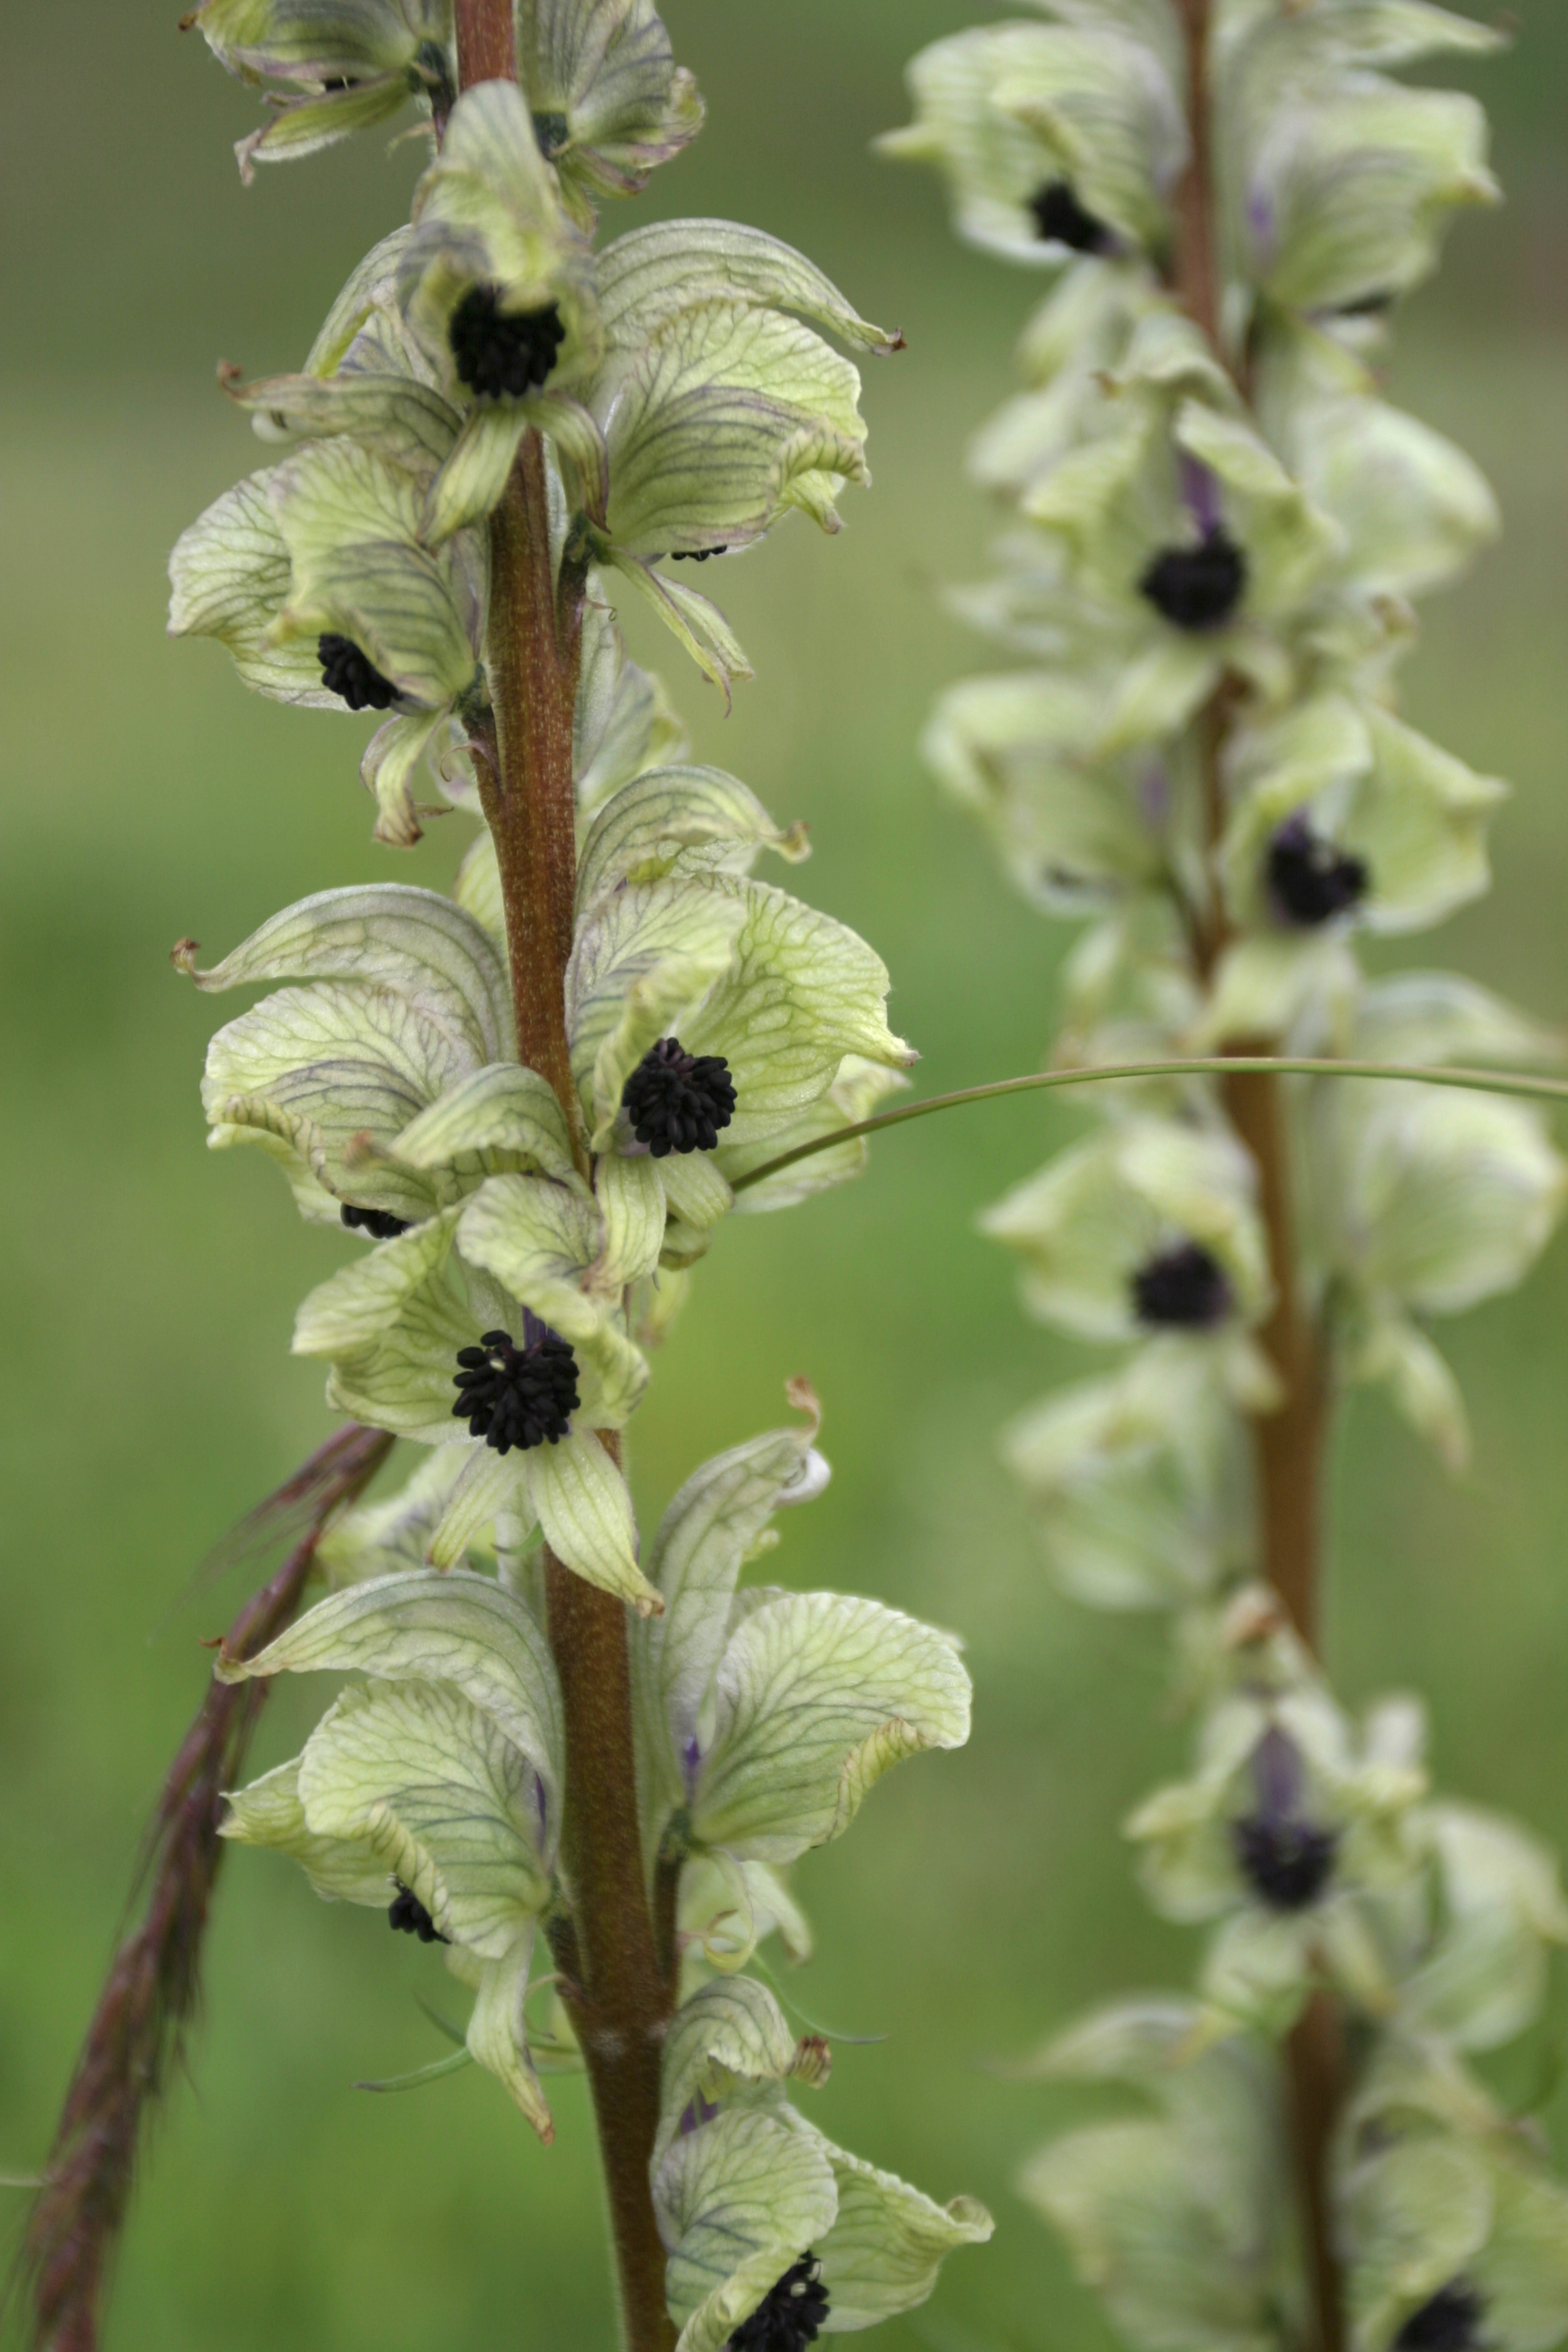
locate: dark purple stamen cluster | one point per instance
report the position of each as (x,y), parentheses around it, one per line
(380,1223)
(1309,880)
(1286,1859)
(517,1396)
(1182,1289)
(694,554)
(678,1101)
(500,352)
(1197,588)
(345,671)
(1450,2322)
(1062,220)
(1287,1864)
(790,2314)
(409,1916)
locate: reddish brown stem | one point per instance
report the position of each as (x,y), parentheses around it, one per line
(617,1994)
(485,43)
(619,2002)
(1289,1444)
(152,1989)
(535,648)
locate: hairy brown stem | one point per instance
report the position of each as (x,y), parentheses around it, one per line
(617,1994)
(152,1988)
(1291,1443)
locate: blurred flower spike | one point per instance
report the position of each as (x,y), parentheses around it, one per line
(1214,531)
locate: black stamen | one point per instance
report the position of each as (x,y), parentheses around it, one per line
(517,1396)
(1183,1289)
(694,554)
(1197,588)
(790,2314)
(551,132)
(339,81)
(1063,220)
(1309,880)
(1451,2322)
(503,352)
(678,1101)
(380,1223)
(347,672)
(409,1916)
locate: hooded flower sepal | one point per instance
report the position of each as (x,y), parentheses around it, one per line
(1431,1201)
(402,1003)
(758,2211)
(1343,180)
(1077,833)
(709,329)
(1455,2229)
(765,1719)
(1182,2218)
(436,1778)
(1343,818)
(1139,1486)
(1291,1828)
(496,284)
(343,65)
(608,100)
(1478,1973)
(315,577)
(1150,1231)
(1057,140)
(783,409)
(703,966)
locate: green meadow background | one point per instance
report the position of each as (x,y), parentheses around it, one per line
(147,1396)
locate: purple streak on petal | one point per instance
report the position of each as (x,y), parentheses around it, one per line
(1260,221)
(1154,795)
(691,1764)
(1200,494)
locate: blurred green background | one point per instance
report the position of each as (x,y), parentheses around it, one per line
(146,1393)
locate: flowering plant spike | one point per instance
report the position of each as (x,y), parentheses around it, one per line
(578,1765)
(1215,528)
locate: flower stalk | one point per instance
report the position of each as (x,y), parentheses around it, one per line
(534,1101)
(618,1998)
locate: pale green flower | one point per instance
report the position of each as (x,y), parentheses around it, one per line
(1341,818)
(343,65)
(1291,1827)
(1478,1972)
(316,576)
(1343,179)
(438,1778)
(752,2200)
(765,1717)
(1448,2212)
(1182,2220)
(1150,1231)
(1054,140)
(1426,1202)
(1138,1485)
(608,100)
(1076,831)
